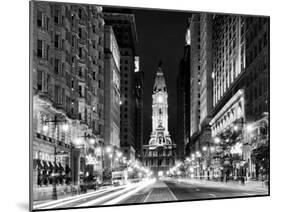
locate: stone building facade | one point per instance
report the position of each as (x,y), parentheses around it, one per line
(67,87)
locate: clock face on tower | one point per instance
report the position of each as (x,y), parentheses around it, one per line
(160,99)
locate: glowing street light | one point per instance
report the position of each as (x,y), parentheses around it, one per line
(65,127)
(92,141)
(45,128)
(235,128)
(108,149)
(78,141)
(119,154)
(98,150)
(217,140)
(249,128)
(204,148)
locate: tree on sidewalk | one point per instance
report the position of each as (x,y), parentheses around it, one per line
(260,157)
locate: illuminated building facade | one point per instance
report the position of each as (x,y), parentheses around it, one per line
(194,82)
(139,94)
(67,79)
(111,91)
(159,154)
(183,105)
(125,32)
(240,91)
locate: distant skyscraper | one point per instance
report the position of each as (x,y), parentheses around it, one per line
(195,81)
(183,111)
(206,81)
(159,154)
(111,90)
(139,87)
(125,32)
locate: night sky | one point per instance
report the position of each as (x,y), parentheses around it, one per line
(161,36)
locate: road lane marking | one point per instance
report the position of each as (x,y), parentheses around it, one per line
(126,195)
(146,198)
(212,195)
(55,203)
(172,193)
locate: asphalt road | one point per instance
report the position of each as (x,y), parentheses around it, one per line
(155,191)
(189,191)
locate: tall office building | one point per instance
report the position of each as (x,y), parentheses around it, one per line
(139,92)
(206,81)
(67,79)
(111,91)
(195,82)
(183,111)
(125,32)
(240,86)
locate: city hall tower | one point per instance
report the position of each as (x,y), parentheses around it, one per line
(159,154)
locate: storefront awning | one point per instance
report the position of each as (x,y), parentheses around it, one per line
(52,165)
(60,167)
(46,164)
(39,164)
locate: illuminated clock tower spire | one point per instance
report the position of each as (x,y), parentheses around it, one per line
(160,134)
(159,102)
(159,154)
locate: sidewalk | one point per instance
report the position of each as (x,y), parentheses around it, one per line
(249,184)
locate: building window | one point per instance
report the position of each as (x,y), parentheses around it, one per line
(39,80)
(40,48)
(48,52)
(57,94)
(80,91)
(80,13)
(56,66)
(56,41)
(39,19)
(56,16)
(80,33)
(80,52)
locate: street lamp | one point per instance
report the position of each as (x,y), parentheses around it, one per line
(249,128)
(108,149)
(217,140)
(65,127)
